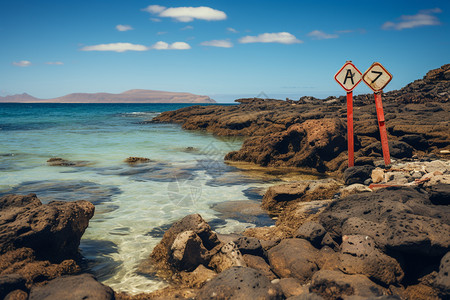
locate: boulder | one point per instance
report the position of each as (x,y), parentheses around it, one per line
(359,255)
(312,232)
(228,256)
(355,188)
(198,277)
(78,287)
(294,258)
(397,218)
(357,174)
(442,282)
(198,230)
(239,283)
(188,252)
(337,285)
(17,295)
(52,230)
(249,245)
(259,263)
(291,287)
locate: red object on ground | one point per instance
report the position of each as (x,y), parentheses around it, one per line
(382,126)
(350,141)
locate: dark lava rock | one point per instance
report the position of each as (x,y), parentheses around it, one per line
(52,230)
(79,287)
(336,285)
(132,160)
(397,218)
(311,231)
(61,162)
(440,194)
(11,282)
(442,282)
(416,141)
(397,149)
(188,251)
(294,258)
(201,236)
(308,145)
(239,283)
(249,245)
(359,255)
(357,174)
(17,295)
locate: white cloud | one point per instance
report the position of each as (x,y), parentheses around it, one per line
(189,27)
(155,20)
(58,63)
(154,9)
(232,30)
(124,27)
(22,63)
(116,47)
(423,18)
(320,35)
(174,46)
(279,37)
(218,43)
(187,14)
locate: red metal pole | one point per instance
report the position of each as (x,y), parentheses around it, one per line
(350,142)
(382,126)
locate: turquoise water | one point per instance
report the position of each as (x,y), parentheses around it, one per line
(134,204)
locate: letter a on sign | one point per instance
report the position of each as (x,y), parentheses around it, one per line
(348,76)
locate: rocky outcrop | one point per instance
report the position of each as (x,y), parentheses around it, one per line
(313,144)
(53,230)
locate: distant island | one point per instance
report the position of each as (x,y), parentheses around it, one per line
(131,96)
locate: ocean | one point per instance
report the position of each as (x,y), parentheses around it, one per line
(134,204)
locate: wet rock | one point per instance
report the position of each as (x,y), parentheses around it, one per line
(136,160)
(357,174)
(360,256)
(335,285)
(294,258)
(188,252)
(246,211)
(249,245)
(61,162)
(312,232)
(397,218)
(258,263)
(52,230)
(239,283)
(442,282)
(228,256)
(83,286)
(440,194)
(11,282)
(162,252)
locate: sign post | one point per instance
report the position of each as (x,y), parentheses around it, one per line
(377,77)
(348,78)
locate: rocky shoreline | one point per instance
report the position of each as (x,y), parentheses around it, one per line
(365,232)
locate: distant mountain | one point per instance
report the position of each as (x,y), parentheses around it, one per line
(131,96)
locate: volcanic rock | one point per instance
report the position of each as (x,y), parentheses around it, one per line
(83,286)
(52,230)
(357,174)
(443,278)
(239,283)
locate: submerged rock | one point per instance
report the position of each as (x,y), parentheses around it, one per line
(61,162)
(132,160)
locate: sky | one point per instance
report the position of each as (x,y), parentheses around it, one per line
(225,49)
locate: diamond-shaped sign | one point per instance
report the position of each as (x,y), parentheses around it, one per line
(377,77)
(348,76)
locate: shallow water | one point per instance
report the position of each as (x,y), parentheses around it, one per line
(134,204)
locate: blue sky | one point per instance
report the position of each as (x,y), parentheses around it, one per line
(221,48)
